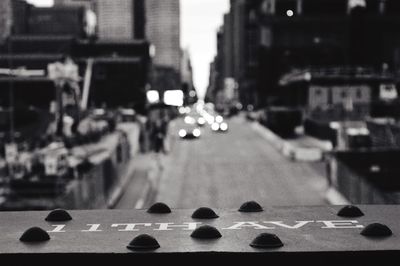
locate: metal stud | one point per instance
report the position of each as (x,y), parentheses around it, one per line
(250,206)
(204,213)
(58,215)
(206,232)
(143,242)
(376,230)
(350,211)
(34,234)
(159,207)
(266,240)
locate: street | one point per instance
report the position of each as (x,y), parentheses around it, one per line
(223,170)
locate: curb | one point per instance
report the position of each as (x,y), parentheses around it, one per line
(334,197)
(293,152)
(120,188)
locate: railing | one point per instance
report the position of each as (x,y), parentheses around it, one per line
(307,74)
(363,235)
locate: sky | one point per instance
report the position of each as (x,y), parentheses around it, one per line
(200,20)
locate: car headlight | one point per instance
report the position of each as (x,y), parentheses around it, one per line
(196,132)
(215,126)
(182,133)
(224,126)
(219,119)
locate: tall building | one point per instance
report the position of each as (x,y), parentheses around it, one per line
(76,3)
(163,31)
(116,19)
(13,17)
(272,37)
(187,77)
(5,18)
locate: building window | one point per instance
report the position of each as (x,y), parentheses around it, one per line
(343,94)
(359,94)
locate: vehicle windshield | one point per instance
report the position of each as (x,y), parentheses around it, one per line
(198,103)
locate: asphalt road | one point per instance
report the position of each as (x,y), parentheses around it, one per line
(223,170)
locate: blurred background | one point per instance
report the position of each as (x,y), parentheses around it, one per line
(123,103)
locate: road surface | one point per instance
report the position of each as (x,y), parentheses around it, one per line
(223,170)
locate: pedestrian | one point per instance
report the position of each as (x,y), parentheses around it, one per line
(159,136)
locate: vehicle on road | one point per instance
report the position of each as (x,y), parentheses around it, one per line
(219,127)
(189,132)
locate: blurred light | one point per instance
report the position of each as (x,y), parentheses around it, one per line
(152,96)
(128,112)
(182,133)
(192,93)
(189,120)
(188,109)
(352,131)
(199,107)
(224,126)
(196,132)
(355,3)
(152,50)
(364,131)
(307,76)
(99,111)
(334,125)
(375,168)
(173,97)
(210,119)
(289,13)
(42,3)
(201,121)
(215,126)
(219,119)
(182,110)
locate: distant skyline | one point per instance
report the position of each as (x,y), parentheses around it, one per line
(200,20)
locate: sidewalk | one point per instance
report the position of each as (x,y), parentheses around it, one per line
(303,148)
(139,187)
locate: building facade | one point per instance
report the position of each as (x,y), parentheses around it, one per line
(116,20)
(13,17)
(163,31)
(188,88)
(5,19)
(273,37)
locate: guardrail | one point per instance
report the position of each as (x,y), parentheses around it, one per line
(334,235)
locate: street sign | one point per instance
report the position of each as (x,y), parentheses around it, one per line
(307,236)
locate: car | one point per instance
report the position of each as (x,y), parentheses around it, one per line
(189,132)
(219,127)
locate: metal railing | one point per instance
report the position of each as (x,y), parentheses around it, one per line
(336,235)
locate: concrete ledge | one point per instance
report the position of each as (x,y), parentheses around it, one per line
(119,189)
(335,198)
(290,149)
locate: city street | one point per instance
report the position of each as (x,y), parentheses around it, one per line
(223,170)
